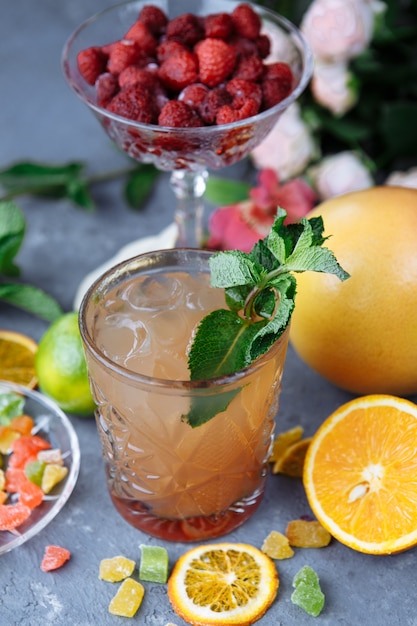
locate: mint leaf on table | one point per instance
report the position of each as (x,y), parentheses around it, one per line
(260,292)
(31,299)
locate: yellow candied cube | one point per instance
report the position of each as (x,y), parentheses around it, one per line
(52,475)
(116,569)
(2,480)
(277,546)
(128,598)
(7,436)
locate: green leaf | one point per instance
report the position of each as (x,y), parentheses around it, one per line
(12,230)
(206,407)
(221,345)
(399,128)
(222,192)
(38,177)
(139,185)
(31,299)
(77,191)
(232,268)
(11,405)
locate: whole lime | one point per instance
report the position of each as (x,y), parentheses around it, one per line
(61,367)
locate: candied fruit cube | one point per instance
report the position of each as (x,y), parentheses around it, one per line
(22,424)
(307,534)
(7,437)
(153,564)
(128,598)
(283,440)
(115,569)
(307,593)
(2,480)
(3,496)
(277,546)
(52,475)
(34,470)
(54,557)
(54,455)
(291,461)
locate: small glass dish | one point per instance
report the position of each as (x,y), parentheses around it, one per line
(52,424)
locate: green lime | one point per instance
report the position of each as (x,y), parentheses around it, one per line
(61,367)
(153,564)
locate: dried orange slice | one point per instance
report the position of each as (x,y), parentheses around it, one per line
(291,462)
(360,474)
(224,583)
(17,358)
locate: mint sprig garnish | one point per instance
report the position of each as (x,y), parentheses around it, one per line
(260,289)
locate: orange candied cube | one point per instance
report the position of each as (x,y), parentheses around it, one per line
(3,496)
(22,424)
(7,437)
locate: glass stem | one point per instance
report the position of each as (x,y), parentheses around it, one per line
(189,188)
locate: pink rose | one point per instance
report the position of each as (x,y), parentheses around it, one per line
(338,30)
(340,174)
(288,148)
(403,179)
(240,226)
(331,86)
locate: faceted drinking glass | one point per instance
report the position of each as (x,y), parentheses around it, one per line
(166,477)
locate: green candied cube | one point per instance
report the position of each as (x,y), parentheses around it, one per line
(34,471)
(308,598)
(306,575)
(153,564)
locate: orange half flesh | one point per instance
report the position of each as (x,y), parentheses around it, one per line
(360,474)
(17,358)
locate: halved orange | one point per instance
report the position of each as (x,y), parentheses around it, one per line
(360,474)
(17,358)
(224,583)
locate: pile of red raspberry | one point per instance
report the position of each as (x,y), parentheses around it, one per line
(189,71)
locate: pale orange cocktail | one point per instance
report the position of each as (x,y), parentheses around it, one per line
(166,477)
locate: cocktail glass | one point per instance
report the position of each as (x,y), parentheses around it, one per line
(186,152)
(168,478)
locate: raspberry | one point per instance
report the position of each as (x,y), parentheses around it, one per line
(263,43)
(140,33)
(154,18)
(177,114)
(135,103)
(280,71)
(194,95)
(244,47)
(273,91)
(169,48)
(247,23)
(133,74)
(228,115)
(214,100)
(106,87)
(218,25)
(242,90)
(185,28)
(124,53)
(91,63)
(179,71)
(249,68)
(216,60)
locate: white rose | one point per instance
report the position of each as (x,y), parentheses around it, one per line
(332,86)
(403,179)
(288,148)
(280,50)
(340,174)
(338,30)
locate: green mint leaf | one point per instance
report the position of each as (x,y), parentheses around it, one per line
(77,191)
(223,192)
(221,345)
(32,300)
(233,268)
(206,407)
(12,230)
(139,185)
(11,405)
(308,254)
(260,291)
(38,177)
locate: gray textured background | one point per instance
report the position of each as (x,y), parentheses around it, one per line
(41,119)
